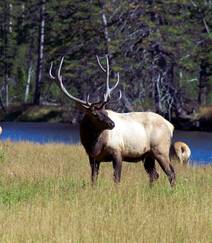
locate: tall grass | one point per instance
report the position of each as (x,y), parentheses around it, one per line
(46,196)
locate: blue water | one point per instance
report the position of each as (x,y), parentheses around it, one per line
(40,132)
(200,143)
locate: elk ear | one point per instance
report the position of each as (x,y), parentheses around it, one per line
(82,107)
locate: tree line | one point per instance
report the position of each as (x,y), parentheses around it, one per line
(162,50)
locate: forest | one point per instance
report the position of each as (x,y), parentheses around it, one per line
(161,49)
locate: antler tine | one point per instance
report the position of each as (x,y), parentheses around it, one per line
(105,102)
(107,95)
(59,76)
(116,84)
(109,90)
(107,71)
(50,71)
(100,64)
(86,104)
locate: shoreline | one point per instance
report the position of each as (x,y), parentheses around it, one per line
(59,114)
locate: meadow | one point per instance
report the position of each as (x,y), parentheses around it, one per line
(46,196)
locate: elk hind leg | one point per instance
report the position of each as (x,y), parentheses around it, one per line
(164,162)
(149,165)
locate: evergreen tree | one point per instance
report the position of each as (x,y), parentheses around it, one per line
(162,50)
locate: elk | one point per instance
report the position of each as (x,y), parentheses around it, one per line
(132,137)
(180,152)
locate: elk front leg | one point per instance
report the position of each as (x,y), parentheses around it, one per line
(94,169)
(117,166)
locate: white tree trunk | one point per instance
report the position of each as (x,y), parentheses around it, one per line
(39,70)
(26,96)
(10,18)
(105,22)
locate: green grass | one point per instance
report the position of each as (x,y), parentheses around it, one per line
(46,196)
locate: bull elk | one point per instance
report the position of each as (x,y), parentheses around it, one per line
(132,137)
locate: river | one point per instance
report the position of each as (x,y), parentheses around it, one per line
(200,143)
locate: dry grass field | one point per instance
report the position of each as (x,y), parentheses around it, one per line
(46,196)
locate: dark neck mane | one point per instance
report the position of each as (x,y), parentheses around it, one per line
(90,136)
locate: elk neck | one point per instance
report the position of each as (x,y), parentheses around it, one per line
(92,137)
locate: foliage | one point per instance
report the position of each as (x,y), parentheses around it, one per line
(161,49)
(30,113)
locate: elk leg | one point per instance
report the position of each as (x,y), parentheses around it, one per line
(94,170)
(149,165)
(117,166)
(165,164)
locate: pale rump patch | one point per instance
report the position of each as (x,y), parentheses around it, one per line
(182,152)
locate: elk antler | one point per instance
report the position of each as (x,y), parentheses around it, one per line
(59,79)
(108,89)
(86,104)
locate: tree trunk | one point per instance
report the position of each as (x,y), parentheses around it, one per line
(28,82)
(6,90)
(2,106)
(157,94)
(128,106)
(104,22)
(26,96)
(10,18)
(7,21)
(203,83)
(40,60)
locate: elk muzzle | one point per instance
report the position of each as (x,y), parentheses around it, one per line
(111,124)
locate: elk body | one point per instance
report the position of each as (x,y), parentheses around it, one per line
(110,136)
(181,152)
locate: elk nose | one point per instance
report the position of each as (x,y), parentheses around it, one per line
(111,124)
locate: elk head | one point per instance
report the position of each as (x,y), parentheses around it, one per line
(94,111)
